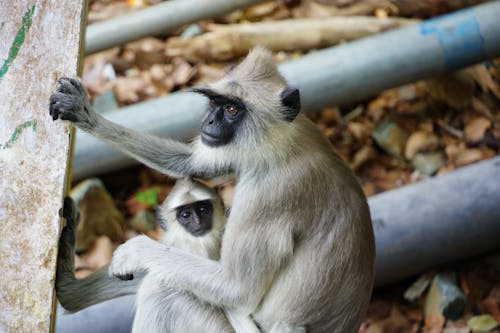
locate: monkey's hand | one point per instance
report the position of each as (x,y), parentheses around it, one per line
(65,255)
(72,216)
(71,102)
(132,256)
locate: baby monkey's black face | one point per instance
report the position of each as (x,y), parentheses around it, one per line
(196,218)
(224,116)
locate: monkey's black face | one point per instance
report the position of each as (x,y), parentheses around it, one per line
(224,116)
(196,218)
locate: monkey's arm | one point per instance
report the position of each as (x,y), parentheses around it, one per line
(77,294)
(174,158)
(239,287)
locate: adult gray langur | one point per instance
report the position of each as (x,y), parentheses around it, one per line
(193,216)
(298,249)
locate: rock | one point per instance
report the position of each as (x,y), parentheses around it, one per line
(445,298)
(99,216)
(428,163)
(390,137)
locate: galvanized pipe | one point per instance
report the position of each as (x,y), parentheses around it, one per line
(442,220)
(417,227)
(154,20)
(337,75)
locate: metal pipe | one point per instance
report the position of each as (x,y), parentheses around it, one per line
(114,316)
(154,20)
(442,220)
(363,68)
(417,227)
(337,75)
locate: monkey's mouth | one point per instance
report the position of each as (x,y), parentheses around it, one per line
(199,232)
(211,140)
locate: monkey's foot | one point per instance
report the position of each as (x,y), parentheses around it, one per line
(132,257)
(70,102)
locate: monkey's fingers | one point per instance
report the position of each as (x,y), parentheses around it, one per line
(125,277)
(72,216)
(53,109)
(70,212)
(68,86)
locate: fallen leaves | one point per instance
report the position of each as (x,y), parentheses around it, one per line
(420,141)
(476,128)
(483,323)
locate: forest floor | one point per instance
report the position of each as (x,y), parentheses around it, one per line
(400,136)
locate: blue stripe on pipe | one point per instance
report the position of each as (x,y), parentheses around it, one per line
(460,39)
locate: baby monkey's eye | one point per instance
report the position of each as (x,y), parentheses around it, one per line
(231,110)
(212,103)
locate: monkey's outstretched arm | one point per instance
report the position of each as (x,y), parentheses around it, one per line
(171,157)
(215,282)
(77,294)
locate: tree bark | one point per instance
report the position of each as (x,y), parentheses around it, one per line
(41,41)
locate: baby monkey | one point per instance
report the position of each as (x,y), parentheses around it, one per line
(194,217)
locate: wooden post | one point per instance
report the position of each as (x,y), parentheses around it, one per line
(40,41)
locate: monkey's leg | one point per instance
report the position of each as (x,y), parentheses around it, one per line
(286,328)
(162,309)
(76,294)
(174,158)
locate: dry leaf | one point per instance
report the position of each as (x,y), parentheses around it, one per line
(147,51)
(483,77)
(128,89)
(330,116)
(476,128)
(361,131)
(362,156)
(468,156)
(491,306)
(420,141)
(455,89)
(183,72)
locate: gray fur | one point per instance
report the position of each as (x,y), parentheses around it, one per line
(298,249)
(160,308)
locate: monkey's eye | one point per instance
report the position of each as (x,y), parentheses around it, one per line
(231,110)
(212,103)
(185,214)
(204,209)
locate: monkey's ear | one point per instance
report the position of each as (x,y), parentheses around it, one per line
(290,98)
